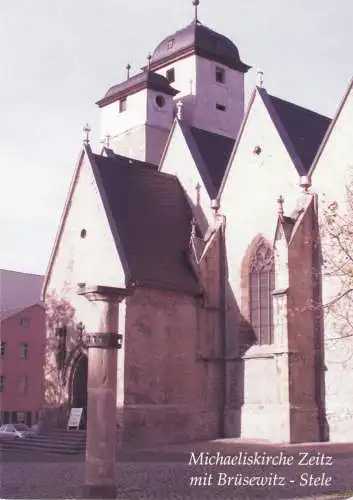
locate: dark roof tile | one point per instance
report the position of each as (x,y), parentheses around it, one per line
(305,129)
(201,40)
(152,219)
(145,79)
(211,153)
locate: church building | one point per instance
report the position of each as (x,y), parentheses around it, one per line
(206,211)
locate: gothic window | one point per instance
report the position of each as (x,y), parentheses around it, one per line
(262,283)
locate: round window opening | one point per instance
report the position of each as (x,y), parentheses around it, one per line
(83,233)
(160,101)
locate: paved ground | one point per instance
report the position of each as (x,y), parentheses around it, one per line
(171,473)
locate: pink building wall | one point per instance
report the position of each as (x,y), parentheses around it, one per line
(22,393)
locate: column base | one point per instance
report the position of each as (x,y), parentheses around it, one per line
(99,492)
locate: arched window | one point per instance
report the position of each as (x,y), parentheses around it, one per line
(262,282)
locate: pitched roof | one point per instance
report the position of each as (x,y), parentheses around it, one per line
(211,153)
(305,129)
(151,220)
(8,314)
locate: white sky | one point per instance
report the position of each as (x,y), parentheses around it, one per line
(59,57)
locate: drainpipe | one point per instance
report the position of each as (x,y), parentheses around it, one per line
(222,311)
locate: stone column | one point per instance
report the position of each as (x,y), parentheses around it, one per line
(102,381)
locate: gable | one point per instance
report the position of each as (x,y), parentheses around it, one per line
(92,259)
(179,161)
(334,162)
(260,170)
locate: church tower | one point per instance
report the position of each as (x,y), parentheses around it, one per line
(206,68)
(137,115)
(196,67)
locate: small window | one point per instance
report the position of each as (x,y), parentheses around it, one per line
(2,349)
(24,350)
(122,105)
(220,75)
(2,383)
(221,107)
(170,75)
(170,44)
(24,322)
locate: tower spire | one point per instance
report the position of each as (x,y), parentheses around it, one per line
(196,4)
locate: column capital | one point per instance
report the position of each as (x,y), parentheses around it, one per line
(103,293)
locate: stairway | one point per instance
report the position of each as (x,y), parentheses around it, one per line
(62,442)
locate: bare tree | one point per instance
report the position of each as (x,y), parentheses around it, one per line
(336,232)
(60,316)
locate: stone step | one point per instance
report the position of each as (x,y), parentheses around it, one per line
(62,442)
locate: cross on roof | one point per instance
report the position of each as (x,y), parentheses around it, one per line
(87,130)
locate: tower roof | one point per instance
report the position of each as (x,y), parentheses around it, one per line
(202,41)
(143,80)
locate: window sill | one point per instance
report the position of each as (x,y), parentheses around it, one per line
(265,352)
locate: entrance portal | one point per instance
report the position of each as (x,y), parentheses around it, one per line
(79,387)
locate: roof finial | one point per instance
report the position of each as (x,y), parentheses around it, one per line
(128,67)
(179,106)
(196,3)
(87,130)
(260,78)
(280,202)
(107,141)
(149,57)
(193,228)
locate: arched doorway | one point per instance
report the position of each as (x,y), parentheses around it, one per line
(79,386)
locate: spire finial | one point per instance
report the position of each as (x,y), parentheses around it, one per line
(179,106)
(87,130)
(260,78)
(128,67)
(280,202)
(196,3)
(149,57)
(193,228)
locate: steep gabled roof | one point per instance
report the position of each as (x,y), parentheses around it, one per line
(149,213)
(305,128)
(301,130)
(211,153)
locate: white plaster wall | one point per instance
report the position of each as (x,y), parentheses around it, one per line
(185,75)
(114,123)
(249,198)
(179,161)
(195,79)
(329,179)
(156,116)
(209,93)
(93,260)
